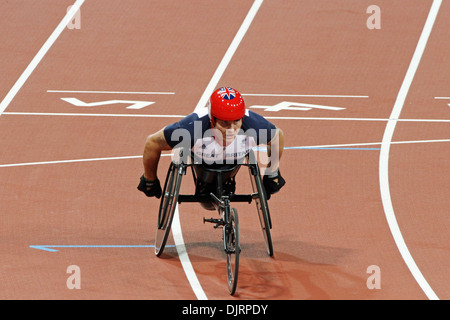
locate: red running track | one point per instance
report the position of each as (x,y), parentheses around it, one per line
(329,222)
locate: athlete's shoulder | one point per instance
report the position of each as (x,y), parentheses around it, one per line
(259,127)
(256,121)
(190,125)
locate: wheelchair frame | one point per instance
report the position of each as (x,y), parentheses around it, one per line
(229,219)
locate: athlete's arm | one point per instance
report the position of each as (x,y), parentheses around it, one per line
(272,180)
(275,150)
(154,145)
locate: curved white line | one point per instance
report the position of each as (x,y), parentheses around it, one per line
(385,147)
(176,227)
(184,258)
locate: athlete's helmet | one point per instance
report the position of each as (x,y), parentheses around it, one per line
(226,104)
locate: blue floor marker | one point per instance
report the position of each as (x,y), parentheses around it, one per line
(264,149)
(49,248)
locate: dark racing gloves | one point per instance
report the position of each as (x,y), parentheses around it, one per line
(151,188)
(273,182)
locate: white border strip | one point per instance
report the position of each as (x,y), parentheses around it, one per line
(110,92)
(184,257)
(369,144)
(176,226)
(357,119)
(41,53)
(94,114)
(302,95)
(24,164)
(384,153)
(131,115)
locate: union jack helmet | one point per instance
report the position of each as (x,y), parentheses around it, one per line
(226,104)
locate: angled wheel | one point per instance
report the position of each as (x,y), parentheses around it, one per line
(167,207)
(232,249)
(262,207)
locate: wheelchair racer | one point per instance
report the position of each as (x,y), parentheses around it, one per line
(221,134)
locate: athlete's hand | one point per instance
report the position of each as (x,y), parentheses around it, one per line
(151,188)
(273,183)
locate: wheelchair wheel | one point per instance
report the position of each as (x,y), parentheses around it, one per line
(232,249)
(263,209)
(167,207)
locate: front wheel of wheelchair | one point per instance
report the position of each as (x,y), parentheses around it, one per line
(262,208)
(232,249)
(167,207)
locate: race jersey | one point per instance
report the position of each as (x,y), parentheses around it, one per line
(194,132)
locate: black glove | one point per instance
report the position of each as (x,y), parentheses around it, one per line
(150,188)
(273,184)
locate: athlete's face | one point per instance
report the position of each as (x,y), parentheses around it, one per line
(228,129)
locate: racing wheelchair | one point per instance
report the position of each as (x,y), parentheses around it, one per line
(215,192)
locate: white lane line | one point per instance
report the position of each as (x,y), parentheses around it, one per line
(23,164)
(370,144)
(41,53)
(229,54)
(384,153)
(176,231)
(357,119)
(94,114)
(112,92)
(184,257)
(303,95)
(182,116)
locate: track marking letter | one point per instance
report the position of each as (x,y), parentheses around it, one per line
(134,104)
(297,106)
